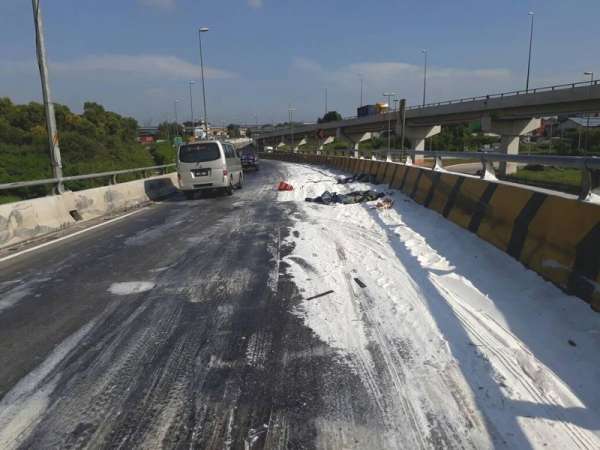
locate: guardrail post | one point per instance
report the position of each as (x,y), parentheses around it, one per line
(59,187)
(488,172)
(590,183)
(113,179)
(438,164)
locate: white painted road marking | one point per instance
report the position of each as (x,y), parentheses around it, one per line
(64,238)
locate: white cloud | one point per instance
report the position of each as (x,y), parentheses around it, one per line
(406,79)
(255,3)
(163,4)
(149,66)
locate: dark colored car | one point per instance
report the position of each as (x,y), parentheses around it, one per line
(249,158)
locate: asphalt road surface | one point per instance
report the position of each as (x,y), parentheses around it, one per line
(172,328)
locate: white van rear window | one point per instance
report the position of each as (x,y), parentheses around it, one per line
(192,153)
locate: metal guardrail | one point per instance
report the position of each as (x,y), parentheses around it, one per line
(59,183)
(556,87)
(589,165)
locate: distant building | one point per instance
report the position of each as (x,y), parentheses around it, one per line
(147,135)
(578,123)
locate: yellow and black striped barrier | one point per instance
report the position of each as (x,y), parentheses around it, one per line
(555,235)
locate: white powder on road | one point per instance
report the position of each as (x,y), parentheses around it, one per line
(464,344)
(130,287)
(23,406)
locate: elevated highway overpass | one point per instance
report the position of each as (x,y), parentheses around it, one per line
(509,115)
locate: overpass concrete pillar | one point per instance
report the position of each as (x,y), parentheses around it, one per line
(302,142)
(510,132)
(328,140)
(339,134)
(417,136)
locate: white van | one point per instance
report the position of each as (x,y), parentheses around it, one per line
(207,165)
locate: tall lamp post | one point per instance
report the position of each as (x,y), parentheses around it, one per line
(290,115)
(176,118)
(200,31)
(532,15)
(191,82)
(389,96)
(587,130)
(48,105)
(361,88)
(424,51)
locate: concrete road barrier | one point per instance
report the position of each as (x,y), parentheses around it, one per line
(555,235)
(28,219)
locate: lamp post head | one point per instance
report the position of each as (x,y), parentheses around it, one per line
(192,82)
(203,30)
(588,73)
(424,50)
(531,13)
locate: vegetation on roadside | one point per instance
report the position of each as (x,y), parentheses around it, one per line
(94,141)
(558,178)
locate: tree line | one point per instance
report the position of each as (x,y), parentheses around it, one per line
(95,141)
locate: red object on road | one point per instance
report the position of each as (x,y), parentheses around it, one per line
(283,186)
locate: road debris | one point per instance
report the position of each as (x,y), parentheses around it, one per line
(323,294)
(385,203)
(361,177)
(328,198)
(283,186)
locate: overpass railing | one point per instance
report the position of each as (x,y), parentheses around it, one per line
(58,183)
(556,87)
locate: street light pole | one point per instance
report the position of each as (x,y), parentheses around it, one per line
(326,109)
(191,82)
(532,15)
(176,119)
(424,51)
(361,89)
(587,130)
(389,96)
(290,115)
(203,30)
(48,105)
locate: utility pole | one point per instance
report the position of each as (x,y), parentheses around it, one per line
(326,110)
(48,105)
(532,15)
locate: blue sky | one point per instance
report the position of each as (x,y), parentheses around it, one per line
(136,56)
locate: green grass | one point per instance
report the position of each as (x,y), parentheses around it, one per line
(562,179)
(9,199)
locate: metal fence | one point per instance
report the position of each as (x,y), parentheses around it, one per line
(58,184)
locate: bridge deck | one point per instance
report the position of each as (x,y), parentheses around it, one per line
(262,321)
